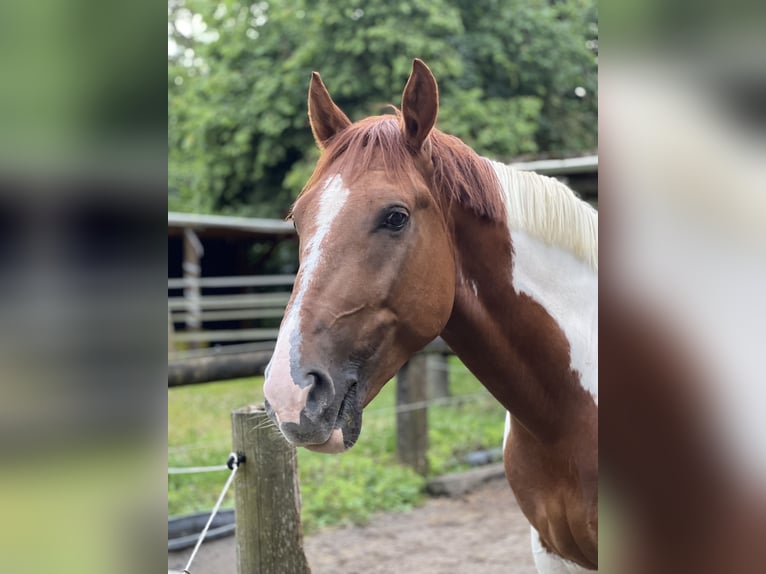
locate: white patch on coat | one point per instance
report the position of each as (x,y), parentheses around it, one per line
(555,243)
(507,430)
(283,393)
(567,288)
(548,563)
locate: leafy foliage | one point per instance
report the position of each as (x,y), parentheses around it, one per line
(238,74)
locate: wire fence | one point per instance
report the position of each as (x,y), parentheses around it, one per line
(196,469)
(375,412)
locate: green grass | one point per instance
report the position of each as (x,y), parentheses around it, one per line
(335,489)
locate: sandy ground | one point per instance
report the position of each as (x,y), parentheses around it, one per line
(480,532)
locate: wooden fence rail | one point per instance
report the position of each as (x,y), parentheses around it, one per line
(199,311)
(217,368)
(225,336)
(233,281)
(412,386)
(222,366)
(231,301)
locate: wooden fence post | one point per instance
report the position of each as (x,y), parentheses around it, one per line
(438,376)
(193,252)
(412,424)
(267,498)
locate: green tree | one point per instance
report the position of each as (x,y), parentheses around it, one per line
(529,61)
(238,133)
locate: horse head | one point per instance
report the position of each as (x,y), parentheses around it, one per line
(377,269)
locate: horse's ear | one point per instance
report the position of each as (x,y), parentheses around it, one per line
(420,105)
(325,117)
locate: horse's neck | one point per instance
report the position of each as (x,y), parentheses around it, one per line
(525,322)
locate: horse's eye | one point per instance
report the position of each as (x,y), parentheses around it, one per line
(396,220)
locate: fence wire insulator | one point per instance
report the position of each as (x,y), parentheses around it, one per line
(233,462)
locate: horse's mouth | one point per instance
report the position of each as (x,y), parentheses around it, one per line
(348,424)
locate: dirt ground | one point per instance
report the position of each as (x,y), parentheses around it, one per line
(480,532)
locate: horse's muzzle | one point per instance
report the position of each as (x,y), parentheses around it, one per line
(328,422)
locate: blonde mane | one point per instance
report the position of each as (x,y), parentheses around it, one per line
(548,210)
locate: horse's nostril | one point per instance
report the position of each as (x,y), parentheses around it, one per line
(321,393)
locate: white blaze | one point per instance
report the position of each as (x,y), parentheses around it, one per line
(280,389)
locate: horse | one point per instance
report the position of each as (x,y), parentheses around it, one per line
(405,234)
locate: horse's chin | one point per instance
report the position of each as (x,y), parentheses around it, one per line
(344,435)
(333,445)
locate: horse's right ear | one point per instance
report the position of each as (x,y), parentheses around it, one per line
(325,117)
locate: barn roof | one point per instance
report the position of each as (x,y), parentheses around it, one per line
(580,173)
(219,225)
(565,166)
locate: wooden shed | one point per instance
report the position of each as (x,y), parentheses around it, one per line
(229,278)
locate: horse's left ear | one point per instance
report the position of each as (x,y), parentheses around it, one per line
(420,105)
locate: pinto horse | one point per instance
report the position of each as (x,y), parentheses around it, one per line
(406,234)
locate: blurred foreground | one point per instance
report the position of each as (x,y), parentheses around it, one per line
(82,287)
(683,317)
